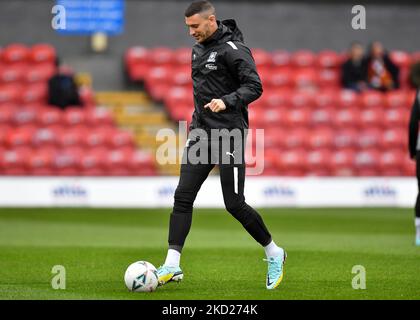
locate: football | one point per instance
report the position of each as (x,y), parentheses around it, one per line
(141,276)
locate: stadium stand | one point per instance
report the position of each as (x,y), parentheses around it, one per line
(41,140)
(312,126)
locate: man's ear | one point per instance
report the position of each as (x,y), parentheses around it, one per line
(212,18)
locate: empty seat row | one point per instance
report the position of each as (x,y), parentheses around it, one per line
(369,162)
(76,161)
(136,56)
(41,115)
(20,53)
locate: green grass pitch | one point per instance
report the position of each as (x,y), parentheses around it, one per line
(220,260)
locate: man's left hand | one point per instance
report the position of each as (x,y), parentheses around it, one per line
(216,105)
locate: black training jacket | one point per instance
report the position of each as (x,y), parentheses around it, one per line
(223,68)
(413,130)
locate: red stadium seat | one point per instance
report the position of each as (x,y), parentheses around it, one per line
(279,78)
(348,99)
(391,162)
(369,138)
(305,78)
(15,53)
(20,137)
(400,58)
(74,116)
(35,93)
(274,137)
(49,116)
(277,98)
(321,138)
(394,138)
(345,138)
(397,99)
(178,96)
(137,62)
(142,161)
(10,93)
(371,117)
(96,137)
(262,59)
(157,91)
(256,117)
(281,58)
(259,103)
(299,99)
(5,130)
(13,161)
(87,97)
(39,73)
(298,117)
(328,59)
(181,76)
(183,56)
(66,161)
(7,112)
(272,157)
(72,137)
(293,161)
(99,117)
(342,162)
(158,75)
(395,118)
(40,162)
(366,162)
(322,117)
(138,72)
(92,162)
(117,162)
(25,116)
(14,73)
(161,56)
(326,99)
(42,53)
(181,113)
(303,59)
(46,136)
(296,138)
(373,99)
(137,55)
(328,78)
(120,138)
(319,160)
(274,117)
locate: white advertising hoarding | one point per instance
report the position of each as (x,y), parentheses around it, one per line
(158,192)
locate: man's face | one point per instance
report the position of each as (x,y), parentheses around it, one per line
(199,26)
(377,49)
(356,52)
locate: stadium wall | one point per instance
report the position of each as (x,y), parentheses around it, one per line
(158,192)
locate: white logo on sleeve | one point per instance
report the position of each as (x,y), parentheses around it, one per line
(212,57)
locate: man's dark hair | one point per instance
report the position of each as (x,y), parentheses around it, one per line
(199,7)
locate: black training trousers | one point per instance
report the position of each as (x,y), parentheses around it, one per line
(232,178)
(417,209)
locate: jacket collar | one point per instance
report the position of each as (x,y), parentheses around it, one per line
(215,36)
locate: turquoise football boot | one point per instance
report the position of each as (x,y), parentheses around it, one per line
(275,270)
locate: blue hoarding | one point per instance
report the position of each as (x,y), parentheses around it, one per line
(84,17)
